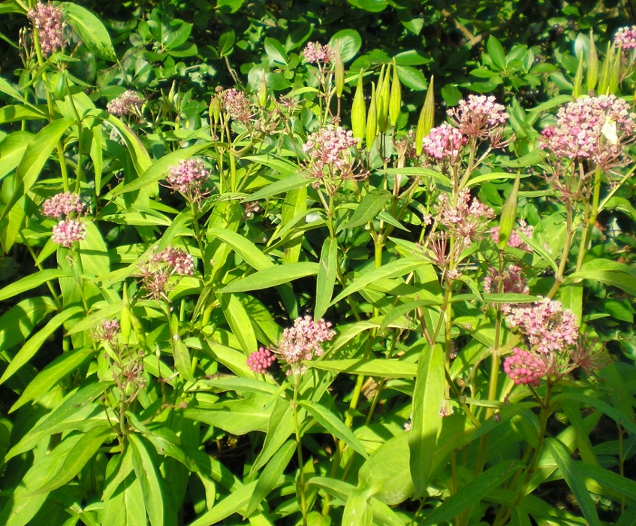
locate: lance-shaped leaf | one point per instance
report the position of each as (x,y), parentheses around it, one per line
(592,64)
(327,273)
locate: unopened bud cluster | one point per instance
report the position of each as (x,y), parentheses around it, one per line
(626,37)
(67,207)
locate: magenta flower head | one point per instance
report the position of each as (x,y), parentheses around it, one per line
(188,177)
(128,102)
(61,205)
(525,368)
(47,20)
(593,128)
(626,37)
(479,116)
(303,342)
(547,326)
(261,360)
(444,143)
(316,53)
(67,232)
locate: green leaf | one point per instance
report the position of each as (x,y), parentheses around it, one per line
(510,298)
(239,321)
(94,252)
(33,345)
(428,397)
(36,154)
(327,273)
(357,512)
(279,428)
(378,368)
(349,43)
(270,475)
(285,185)
(13,113)
(372,6)
(90,29)
(568,469)
(400,310)
(243,247)
(82,452)
(148,474)
(368,209)
(229,505)
(226,41)
(539,249)
(496,52)
(140,158)
(32,281)
(390,270)
(412,77)
(272,277)
(608,478)
(51,374)
(334,425)
(275,50)
(18,322)
(472,493)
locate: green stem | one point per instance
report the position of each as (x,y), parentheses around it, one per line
(301,465)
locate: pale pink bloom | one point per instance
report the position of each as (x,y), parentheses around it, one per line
(514,240)
(188,177)
(65,233)
(236,105)
(444,143)
(314,52)
(478,116)
(303,342)
(177,260)
(261,360)
(546,324)
(466,218)
(525,368)
(62,205)
(513,281)
(626,37)
(156,272)
(47,20)
(128,102)
(593,128)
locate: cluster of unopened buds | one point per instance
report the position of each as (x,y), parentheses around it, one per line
(67,207)
(330,158)
(47,20)
(626,38)
(129,102)
(188,178)
(156,272)
(299,343)
(444,143)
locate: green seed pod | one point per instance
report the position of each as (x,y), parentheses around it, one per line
(383,95)
(262,92)
(509,215)
(125,323)
(395,101)
(139,329)
(372,120)
(615,71)
(603,81)
(339,73)
(359,111)
(427,117)
(577,86)
(215,108)
(592,65)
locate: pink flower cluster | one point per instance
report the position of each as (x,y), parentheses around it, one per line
(524,367)
(314,52)
(330,159)
(514,240)
(626,37)
(67,232)
(513,281)
(47,20)
(128,102)
(478,116)
(188,177)
(580,130)
(236,105)
(158,269)
(108,331)
(303,341)
(546,324)
(62,205)
(444,143)
(464,219)
(261,360)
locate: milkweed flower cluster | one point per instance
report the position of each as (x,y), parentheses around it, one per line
(188,177)
(316,53)
(236,105)
(107,331)
(444,143)
(512,279)
(466,218)
(47,20)
(547,326)
(68,206)
(479,116)
(515,240)
(626,37)
(261,360)
(128,102)
(330,157)
(594,128)
(156,272)
(525,368)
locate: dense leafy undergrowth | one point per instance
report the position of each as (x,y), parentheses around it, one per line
(356,263)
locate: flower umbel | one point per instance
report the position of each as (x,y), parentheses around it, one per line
(626,37)
(61,205)
(303,341)
(524,367)
(479,116)
(444,143)
(512,279)
(316,53)
(466,218)
(156,272)
(128,102)
(188,177)
(261,360)
(236,105)
(47,20)
(66,232)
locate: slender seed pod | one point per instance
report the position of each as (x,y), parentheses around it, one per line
(427,117)
(339,73)
(262,91)
(395,101)
(382,97)
(125,323)
(372,120)
(359,110)
(509,214)
(592,65)
(603,81)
